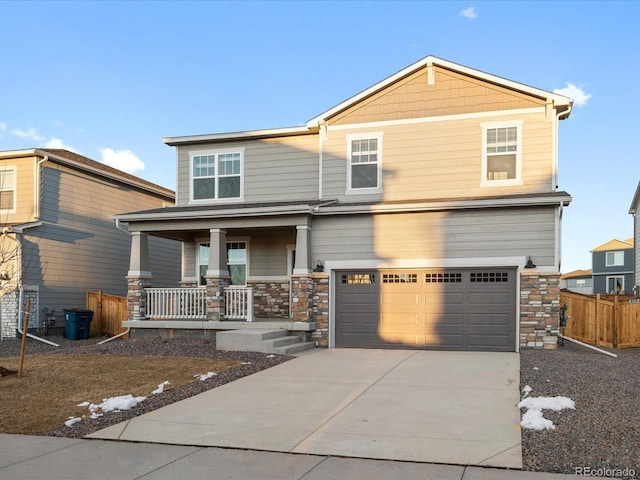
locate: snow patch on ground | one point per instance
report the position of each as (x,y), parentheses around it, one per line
(160,388)
(533,417)
(205,376)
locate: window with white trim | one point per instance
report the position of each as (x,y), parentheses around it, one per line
(501,146)
(614,259)
(216,175)
(364,169)
(8,190)
(236,262)
(615,285)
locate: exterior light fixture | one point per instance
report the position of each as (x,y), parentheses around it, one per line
(530,264)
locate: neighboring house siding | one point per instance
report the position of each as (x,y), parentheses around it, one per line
(78,248)
(438,235)
(24,176)
(601,271)
(440,159)
(275,170)
(451,94)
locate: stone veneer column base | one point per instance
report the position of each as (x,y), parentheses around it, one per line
(136,297)
(215,297)
(539,308)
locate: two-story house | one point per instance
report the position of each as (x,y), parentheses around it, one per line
(423,212)
(612,265)
(57,237)
(635,211)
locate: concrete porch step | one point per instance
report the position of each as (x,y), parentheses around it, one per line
(276,341)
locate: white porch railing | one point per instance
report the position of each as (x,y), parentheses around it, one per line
(238,303)
(191,303)
(177,303)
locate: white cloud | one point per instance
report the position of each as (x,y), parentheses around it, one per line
(31,133)
(3,126)
(124,160)
(469,13)
(57,143)
(575,93)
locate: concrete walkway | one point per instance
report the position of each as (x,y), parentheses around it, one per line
(37,458)
(456,408)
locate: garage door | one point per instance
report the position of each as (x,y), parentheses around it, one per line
(451,309)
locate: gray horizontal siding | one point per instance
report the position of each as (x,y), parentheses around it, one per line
(275,170)
(437,235)
(79,249)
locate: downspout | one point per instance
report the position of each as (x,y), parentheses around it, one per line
(558,259)
(39,186)
(322,136)
(554,184)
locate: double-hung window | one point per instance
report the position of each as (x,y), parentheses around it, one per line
(8,190)
(364,168)
(236,262)
(502,153)
(614,259)
(216,175)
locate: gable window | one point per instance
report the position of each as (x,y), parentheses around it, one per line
(502,145)
(614,259)
(364,169)
(216,175)
(236,262)
(8,190)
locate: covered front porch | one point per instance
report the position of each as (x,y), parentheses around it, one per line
(239,273)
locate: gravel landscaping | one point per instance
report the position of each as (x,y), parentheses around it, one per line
(602,433)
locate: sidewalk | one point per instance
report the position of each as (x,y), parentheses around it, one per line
(36,458)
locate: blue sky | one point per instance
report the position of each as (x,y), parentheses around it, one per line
(111,79)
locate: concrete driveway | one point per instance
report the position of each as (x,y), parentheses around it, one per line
(422,406)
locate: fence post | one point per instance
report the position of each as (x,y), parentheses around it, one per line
(597,320)
(615,322)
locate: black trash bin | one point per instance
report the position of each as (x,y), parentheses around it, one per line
(77,323)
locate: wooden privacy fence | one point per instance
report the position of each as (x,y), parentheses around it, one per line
(109,312)
(602,320)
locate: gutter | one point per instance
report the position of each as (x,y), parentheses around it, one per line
(38,193)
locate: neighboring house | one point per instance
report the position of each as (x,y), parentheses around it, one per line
(58,239)
(635,211)
(579,281)
(421,213)
(612,265)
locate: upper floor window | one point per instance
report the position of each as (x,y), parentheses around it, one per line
(502,150)
(216,175)
(364,169)
(614,259)
(8,190)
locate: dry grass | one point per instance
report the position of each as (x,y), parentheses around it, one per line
(53,385)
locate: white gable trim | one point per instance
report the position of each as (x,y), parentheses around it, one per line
(557,100)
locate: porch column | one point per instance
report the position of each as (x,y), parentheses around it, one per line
(303,243)
(139,277)
(217,274)
(301,284)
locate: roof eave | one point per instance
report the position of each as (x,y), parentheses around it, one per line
(635,203)
(242,135)
(145,185)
